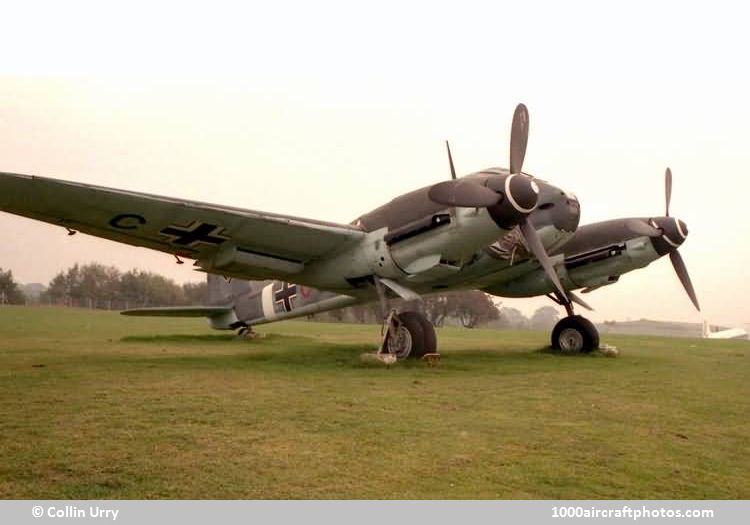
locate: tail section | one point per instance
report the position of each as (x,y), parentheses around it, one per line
(221,314)
(234,303)
(224,291)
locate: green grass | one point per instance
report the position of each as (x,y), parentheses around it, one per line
(96,405)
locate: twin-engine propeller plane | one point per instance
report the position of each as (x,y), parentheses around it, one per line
(499,230)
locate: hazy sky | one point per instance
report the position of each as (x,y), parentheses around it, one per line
(328,110)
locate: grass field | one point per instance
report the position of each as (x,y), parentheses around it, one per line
(96,405)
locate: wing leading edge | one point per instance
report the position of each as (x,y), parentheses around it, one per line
(266,244)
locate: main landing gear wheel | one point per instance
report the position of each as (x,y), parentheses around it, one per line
(575,334)
(410,335)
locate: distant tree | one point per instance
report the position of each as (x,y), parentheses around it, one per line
(544,318)
(513,319)
(9,291)
(92,285)
(468,307)
(195,293)
(336,315)
(61,286)
(97,286)
(140,289)
(437,307)
(474,307)
(358,313)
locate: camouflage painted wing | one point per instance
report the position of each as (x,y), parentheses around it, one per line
(231,241)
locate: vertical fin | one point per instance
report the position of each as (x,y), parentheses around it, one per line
(219,290)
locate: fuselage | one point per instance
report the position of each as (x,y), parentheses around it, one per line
(431,248)
(422,245)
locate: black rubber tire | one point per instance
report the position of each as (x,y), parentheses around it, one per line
(585,328)
(412,324)
(429,338)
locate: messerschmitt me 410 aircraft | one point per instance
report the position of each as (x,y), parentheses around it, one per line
(499,230)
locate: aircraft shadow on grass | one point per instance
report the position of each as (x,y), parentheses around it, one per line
(301,350)
(179,338)
(276,348)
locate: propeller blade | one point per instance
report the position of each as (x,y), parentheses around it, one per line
(537,248)
(519,136)
(682,273)
(463,193)
(450,160)
(640,227)
(668,188)
(573,297)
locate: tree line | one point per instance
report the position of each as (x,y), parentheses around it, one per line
(467,308)
(105,287)
(9,291)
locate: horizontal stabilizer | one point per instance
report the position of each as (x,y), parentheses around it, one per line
(179,311)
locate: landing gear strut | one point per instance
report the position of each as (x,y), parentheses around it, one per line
(408,334)
(247,332)
(404,334)
(574,333)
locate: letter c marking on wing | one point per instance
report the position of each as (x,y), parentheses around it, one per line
(127,221)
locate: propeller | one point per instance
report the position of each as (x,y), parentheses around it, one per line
(669,235)
(519,137)
(682,274)
(450,160)
(472,194)
(667,189)
(463,192)
(537,248)
(680,231)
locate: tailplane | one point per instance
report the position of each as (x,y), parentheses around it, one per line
(220,310)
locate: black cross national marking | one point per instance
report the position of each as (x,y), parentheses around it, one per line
(197,232)
(285,294)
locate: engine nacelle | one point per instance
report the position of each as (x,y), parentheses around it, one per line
(590,270)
